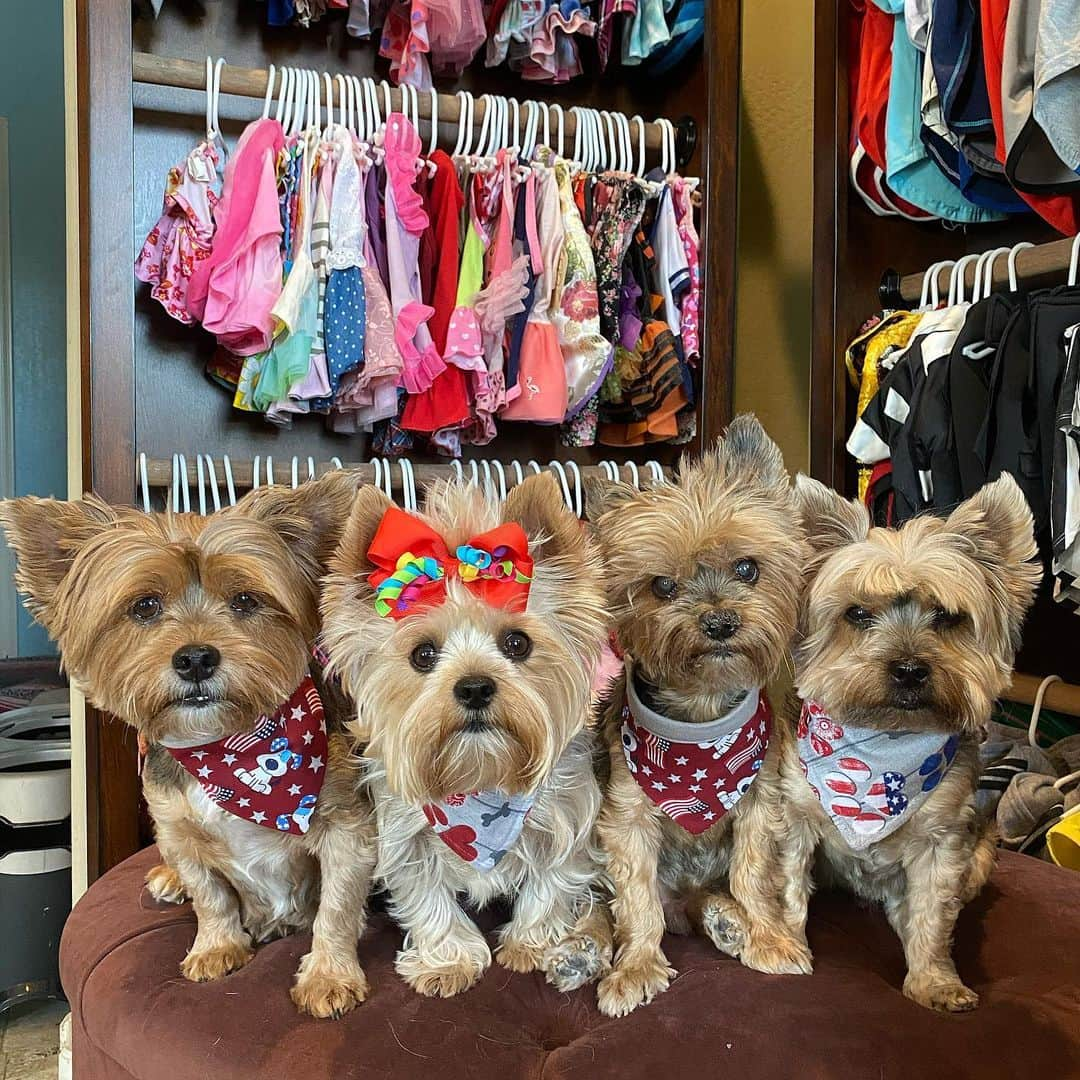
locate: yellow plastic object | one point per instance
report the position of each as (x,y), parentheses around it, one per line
(1063,840)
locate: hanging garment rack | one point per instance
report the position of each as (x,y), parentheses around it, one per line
(252,82)
(1040,261)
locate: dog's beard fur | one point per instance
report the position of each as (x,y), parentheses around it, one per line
(733,504)
(84,564)
(429,745)
(950,594)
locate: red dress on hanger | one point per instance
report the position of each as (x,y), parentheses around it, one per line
(445,404)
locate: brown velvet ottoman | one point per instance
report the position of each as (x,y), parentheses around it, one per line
(1018,945)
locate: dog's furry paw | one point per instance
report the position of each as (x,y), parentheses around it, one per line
(942,995)
(517,956)
(622,990)
(209,964)
(434,979)
(575,962)
(329,994)
(723,923)
(164,884)
(777,955)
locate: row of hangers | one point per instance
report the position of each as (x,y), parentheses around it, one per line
(495,478)
(982,284)
(602,140)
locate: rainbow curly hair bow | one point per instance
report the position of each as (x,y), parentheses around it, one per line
(413,565)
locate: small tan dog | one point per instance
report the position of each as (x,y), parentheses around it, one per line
(195,630)
(468,636)
(908,637)
(704,578)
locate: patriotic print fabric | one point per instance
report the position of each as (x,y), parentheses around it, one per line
(695,782)
(271,775)
(869,782)
(479,826)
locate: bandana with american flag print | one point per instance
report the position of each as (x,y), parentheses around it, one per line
(271,775)
(695,773)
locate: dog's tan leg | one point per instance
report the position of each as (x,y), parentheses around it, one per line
(330,980)
(221,944)
(715,915)
(925,917)
(631,836)
(983,860)
(164,884)
(771,944)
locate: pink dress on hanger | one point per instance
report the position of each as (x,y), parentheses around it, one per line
(690,318)
(455,33)
(542,376)
(502,298)
(406,220)
(553,56)
(183,234)
(233,290)
(405,43)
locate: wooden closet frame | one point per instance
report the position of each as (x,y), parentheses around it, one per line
(107,310)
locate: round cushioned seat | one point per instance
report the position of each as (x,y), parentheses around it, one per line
(1017,945)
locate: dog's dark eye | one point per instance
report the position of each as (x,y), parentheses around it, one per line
(859,616)
(244,603)
(947,620)
(146,609)
(746,570)
(424,657)
(664,587)
(516,645)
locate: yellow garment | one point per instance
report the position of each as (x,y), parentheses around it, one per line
(893,332)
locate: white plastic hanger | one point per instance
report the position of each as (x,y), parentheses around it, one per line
(560,472)
(283,90)
(457,469)
(229,485)
(181,482)
(578,504)
(956,279)
(1074,260)
(311,468)
(294,475)
(459,142)
(640,170)
(408,484)
(433,108)
(200,473)
(535,466)
(616,158)
(532,124)
(388,484)
(610,470)
(376,468)
(144,484)
(632,466)
(579,136)
(501,473)
(518,475)
(1016,249)
(269,91)
(561,150)
(328,82)
(489,483)
(336,462)
(657,471)
(215,493)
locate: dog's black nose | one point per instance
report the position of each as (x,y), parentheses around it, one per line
(475,691)
(720,625)
(194,663)
(909,674)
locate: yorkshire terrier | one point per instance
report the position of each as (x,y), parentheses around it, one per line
(703,577)
(195,630)
(468,636)
(907,637)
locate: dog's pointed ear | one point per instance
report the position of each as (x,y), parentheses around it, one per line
(998,523)
(828,520)
(365,515)
(46,535)
(602,495)
(746,451)
(309,518)
(537,505)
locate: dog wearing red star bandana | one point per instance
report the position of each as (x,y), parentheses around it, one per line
(703,580)
(198,631)
(468,636)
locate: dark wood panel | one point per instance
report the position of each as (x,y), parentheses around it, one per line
(108,383)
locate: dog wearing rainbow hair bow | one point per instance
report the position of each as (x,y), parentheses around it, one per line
(468,639)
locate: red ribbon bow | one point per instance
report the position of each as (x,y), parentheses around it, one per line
(413,564)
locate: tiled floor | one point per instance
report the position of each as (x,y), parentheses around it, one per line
(30,1040)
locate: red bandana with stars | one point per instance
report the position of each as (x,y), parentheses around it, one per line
(271,775)
(695,773)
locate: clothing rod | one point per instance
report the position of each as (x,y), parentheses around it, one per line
(159,471)
(1060,697)
(1043,260)
(251,82)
